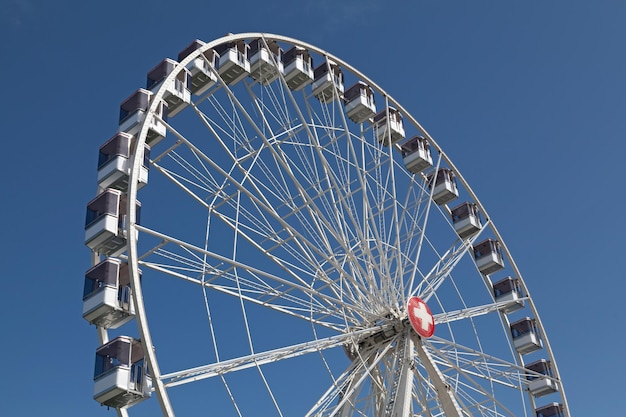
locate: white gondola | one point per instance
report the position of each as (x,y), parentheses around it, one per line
(107,300)
(327,82)
(488,256)
(525,335)
(298,65)
(416,154)
(508,292)
(105,224)
(133,112)
(114,165)
(443,186)
(550,410)
(266,60)
(121,378)
(466,219)
(389,127)
(178,94)
(234,65)
(543,384)
(202,69)
(359,101)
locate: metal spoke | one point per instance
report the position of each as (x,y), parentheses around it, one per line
(257,359)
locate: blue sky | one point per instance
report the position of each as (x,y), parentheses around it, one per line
(527,98)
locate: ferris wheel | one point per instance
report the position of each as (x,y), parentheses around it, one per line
(273,234)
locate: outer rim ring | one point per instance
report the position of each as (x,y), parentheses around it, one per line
(142,322)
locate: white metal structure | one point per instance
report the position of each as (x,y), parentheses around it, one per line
(280,241)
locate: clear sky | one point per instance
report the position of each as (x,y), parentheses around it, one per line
(527,98)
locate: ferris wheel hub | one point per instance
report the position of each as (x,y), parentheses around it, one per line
(420,317)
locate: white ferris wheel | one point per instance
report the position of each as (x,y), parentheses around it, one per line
(305,248)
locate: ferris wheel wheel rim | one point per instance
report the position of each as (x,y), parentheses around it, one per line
(135,172)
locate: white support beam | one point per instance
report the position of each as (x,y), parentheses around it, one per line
(449,403)
(404,389)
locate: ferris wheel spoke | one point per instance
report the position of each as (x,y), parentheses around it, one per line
(447,399)
(289,199)
(198,177)
(322,224)
(261,358)
(383,231)
(441,270)
(265,209)
(344,194)
(178,180)
(362,371)
(342,204)
(322,215)
(394,234)
(338,289)
(276,110)
(417,243)
(247,327)
(329,301)
(332,204)
(462,378)
(281,120)
(342,386)
(471,312)
(425,196)
(420,216)
(461,359)
(233,124)
(424,393)
(290,305)
(278,243)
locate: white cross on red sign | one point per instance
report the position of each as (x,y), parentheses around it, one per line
(420,317)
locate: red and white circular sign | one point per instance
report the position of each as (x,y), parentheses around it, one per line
(420,317)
